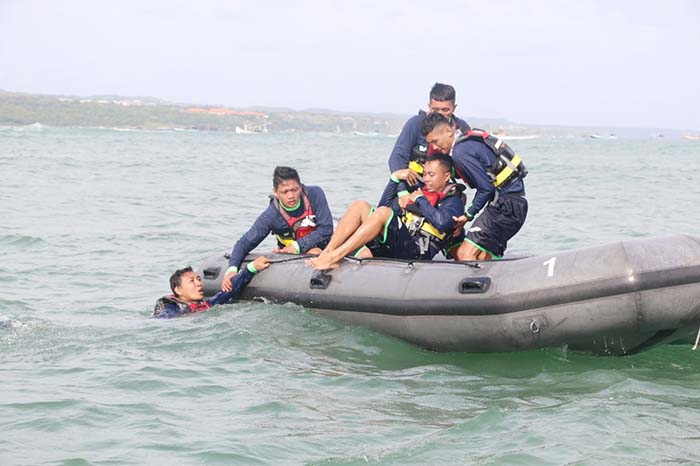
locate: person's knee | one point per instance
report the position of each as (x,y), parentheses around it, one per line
(384,213)
(359,205)
(468,252)
(364,253)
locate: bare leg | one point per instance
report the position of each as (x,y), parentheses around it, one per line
(357,212)
(369,228)
(313,251)
(468,252)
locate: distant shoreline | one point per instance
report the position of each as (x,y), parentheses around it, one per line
(149,114)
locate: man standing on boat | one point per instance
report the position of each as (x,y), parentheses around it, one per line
(441,100)
(418,232)
(297,215)
(488,165)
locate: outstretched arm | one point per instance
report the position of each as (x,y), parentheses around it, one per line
(249,241)
(240,281)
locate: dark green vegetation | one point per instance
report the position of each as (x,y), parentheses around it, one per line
(149,113)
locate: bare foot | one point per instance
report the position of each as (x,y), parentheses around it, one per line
(322,262)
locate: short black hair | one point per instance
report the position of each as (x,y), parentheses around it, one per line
(283,174)
(442,92)
(432,121)
(176,278)
(444,160)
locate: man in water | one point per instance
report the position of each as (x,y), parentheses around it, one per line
(298,215)
(188,291)
(419,232)
(500,199)
(442,100)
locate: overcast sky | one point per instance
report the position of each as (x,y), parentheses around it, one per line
(608,63)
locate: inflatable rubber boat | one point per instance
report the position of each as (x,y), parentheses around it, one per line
(615,299)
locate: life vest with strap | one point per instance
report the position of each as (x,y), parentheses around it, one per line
(507,167)
(419,155)
(417,224)
(298,227)
(183,306)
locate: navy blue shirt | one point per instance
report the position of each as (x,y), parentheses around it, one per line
(409,137)
(270,221)
(472,159)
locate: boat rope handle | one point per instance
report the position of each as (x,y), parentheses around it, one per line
(697,340)
(471,264)
(291,259)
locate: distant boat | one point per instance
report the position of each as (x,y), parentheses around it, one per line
(600,136)
(240,130)
(361,133)
(501,134)
(692,137)
(519,138)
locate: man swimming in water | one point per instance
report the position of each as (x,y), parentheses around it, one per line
(188,291)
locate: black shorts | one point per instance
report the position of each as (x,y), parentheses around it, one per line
(395,242)
(498,223)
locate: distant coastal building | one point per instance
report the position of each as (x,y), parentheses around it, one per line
(224,111)
(255,122)
(123,103)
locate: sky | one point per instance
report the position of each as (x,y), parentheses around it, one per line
(566,62)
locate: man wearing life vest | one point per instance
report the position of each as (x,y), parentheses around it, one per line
(442,100)
(188,291)
(297,215)
(419,232)
(488,165)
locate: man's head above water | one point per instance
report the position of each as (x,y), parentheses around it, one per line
(187,285)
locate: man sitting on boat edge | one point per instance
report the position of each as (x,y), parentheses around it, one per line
(419,232)
(188,291)
(297,214)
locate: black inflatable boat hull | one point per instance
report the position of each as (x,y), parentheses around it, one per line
(615,299)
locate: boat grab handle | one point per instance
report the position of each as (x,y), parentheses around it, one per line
(474,285)
(211,272)
(319,281)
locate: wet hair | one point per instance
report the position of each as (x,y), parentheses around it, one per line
(284,174)
(176,278)
(442,92)
(444,160)
(432,121)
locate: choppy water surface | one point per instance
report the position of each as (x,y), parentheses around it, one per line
(94,221)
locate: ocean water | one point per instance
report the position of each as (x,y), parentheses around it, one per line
(93,221)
